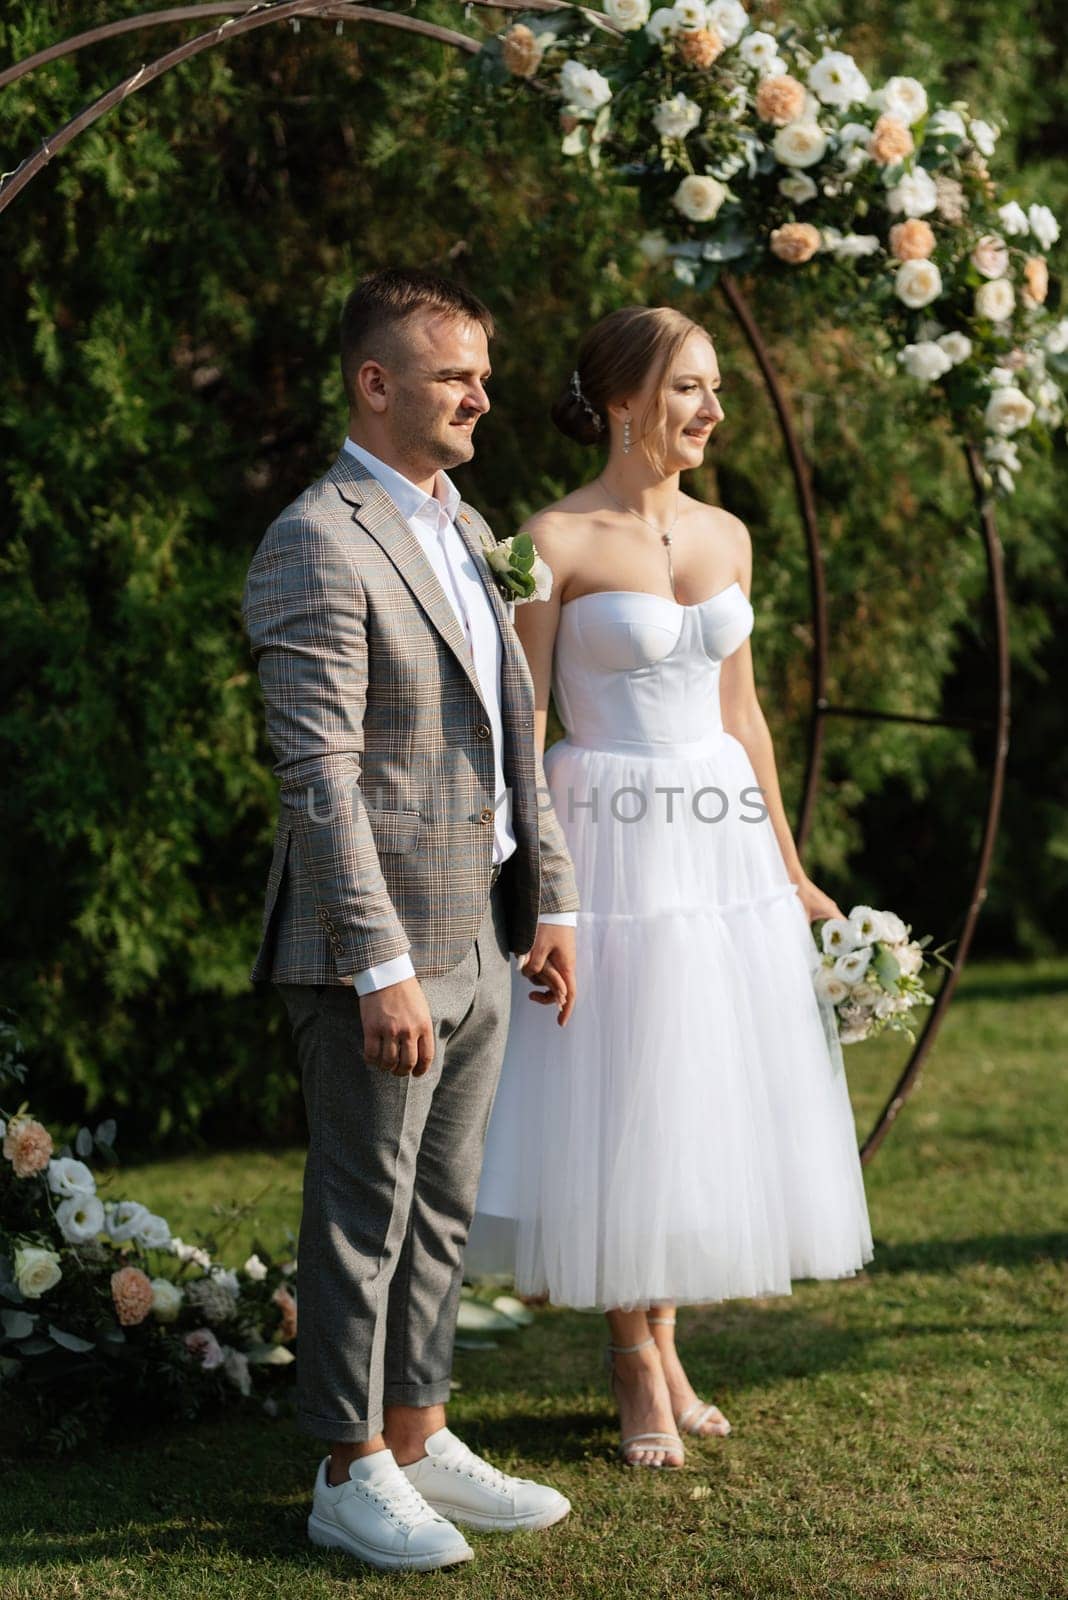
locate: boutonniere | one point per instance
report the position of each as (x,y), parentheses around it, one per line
(519,571)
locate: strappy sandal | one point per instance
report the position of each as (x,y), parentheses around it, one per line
(693,1419)
(641,1441)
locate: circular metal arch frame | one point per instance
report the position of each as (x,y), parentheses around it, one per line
(244,16)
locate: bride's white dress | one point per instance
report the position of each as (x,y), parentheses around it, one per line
(688,1135)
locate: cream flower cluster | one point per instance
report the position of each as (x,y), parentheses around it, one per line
(752,126)
(869,971)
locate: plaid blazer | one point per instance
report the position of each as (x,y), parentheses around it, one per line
(382,745)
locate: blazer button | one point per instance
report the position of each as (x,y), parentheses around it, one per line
(482,731)
(323,914)
(486,814)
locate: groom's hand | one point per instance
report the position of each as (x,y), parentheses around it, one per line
(398,1034)
(550,966)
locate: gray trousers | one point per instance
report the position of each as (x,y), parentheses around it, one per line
(389,1190)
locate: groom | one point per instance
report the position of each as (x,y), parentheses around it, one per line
(411,856)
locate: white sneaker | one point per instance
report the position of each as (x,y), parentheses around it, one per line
(462,1486)
(380,1517)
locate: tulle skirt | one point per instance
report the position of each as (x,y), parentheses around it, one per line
(688,1135)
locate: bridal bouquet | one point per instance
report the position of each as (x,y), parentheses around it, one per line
(871,972)
(102,1310)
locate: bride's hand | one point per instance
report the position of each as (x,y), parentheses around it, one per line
(817,905)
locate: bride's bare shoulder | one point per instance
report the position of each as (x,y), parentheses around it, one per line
(565,522)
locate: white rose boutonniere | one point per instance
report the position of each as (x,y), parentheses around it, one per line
(520,572)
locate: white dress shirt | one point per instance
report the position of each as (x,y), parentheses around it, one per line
(432,519)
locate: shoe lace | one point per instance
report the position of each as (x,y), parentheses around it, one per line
(402,1502)
(482,1471)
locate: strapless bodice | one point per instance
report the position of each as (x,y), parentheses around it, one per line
(637,669)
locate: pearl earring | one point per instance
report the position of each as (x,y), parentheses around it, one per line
(626,436)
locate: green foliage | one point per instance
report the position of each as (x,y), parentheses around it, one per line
(171,286)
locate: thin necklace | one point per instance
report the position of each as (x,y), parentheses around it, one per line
(665,533)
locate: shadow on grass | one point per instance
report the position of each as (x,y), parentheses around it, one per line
(1014,985)
(996,1250)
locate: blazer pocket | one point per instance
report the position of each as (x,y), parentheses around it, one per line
(394,832)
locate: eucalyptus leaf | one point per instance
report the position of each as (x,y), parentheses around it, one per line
(70,1341)
(83,1143)
(105,1133)
(38,1344)
(17,1324)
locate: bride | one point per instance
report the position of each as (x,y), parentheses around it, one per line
(688,1137)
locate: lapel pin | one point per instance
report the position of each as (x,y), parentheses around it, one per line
(464,517)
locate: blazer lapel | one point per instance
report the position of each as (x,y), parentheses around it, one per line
(376,513)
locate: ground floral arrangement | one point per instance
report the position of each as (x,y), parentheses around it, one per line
(871,971)
(105,1315)
(753,147)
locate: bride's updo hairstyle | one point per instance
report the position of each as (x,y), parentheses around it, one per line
(615,358)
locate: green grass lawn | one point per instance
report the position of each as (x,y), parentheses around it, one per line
(900,1434)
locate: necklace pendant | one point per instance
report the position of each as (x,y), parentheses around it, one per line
(666,537)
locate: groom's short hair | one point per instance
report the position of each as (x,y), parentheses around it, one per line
(379,305)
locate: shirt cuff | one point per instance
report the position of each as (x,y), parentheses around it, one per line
(384,974)
(561,919)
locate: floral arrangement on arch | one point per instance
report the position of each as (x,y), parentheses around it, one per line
(103,1311)
(752,147)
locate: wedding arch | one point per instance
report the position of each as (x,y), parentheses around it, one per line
(552,50)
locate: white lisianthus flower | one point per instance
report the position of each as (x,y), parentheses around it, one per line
(1056,340)
(690,15)
(830,985)
(675,118)
(1007,411)
(914,194)
(910,959)
(837,80)
(167,1300)
(153,1234)
(36,1271)
(729,18)
(190,1252)
(867,924)
(699,198)
(1049,404)
(984,136)
(1013,219)
(798,187)
(662,25)
(917,283)
(945,122)
(629,15)
(895,931)
(235,1365)
(850,246)
(67,1177)
(584,87)
(124,1218)
(905,98)
(838,936)
(255,1269)
(995,300)
(800,144)
(80,1218)
(851,133)
(925,360)
(958,347)
(852,966)
(1044,225)
(758,48)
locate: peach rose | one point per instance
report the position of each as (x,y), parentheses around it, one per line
(891,140)
(780,99)
(1036,277)
(288,1327)
(28,1146)
(520,52)
(990,256)
(795,242)
(912,240)
(133,1294)
(699,47)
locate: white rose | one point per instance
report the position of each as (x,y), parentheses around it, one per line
(1013,219)
(1001,377)
(628,15)
(124,1218)
(798,187)
(36,1271)
(699,198)
(984,136)
(67,1177)
(1008,410)
(1056,340)
(153,1233)
(853,965)
(917,283)
(690,14)
(729,18)
(675,118)
(830,986)
(1044,225)
(958,347)
(799,144)
(905,98)
(914,194)
(542,574)
(945,122)
(758,49)
(1004,457)
(995,300)
(583,87)
(925,360)
(255,1269)
(662,25)
(167,1300)
(848,246)
(1049,404)
(838,936)
(80,1218)
(837,80)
